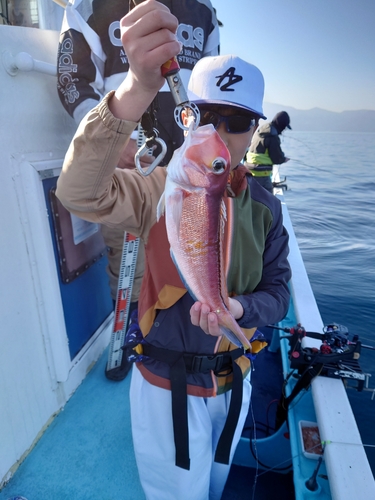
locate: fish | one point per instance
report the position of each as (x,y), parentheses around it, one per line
(195,216)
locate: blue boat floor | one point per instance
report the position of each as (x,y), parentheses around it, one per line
(87,454)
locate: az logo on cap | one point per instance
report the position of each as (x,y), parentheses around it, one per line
(232,79)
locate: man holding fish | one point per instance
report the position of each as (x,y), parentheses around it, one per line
(216,256)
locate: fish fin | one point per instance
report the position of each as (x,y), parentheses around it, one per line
(161,207)
(223,214)
(223,220)
(231,336)
(175,208)
(182,277)
(233,332)
(223,279)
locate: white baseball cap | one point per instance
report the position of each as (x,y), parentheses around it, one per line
(227,80)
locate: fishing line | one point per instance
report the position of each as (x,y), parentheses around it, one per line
(313,153)
(302,142)
(324,170)
(301,162)
(322,443)
(308,165)
(255,446)
(277,466)
(348,444)
(258,462)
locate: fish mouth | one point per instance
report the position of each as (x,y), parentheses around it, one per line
(194,168)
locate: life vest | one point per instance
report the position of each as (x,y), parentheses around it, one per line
(180,364)
(258,159)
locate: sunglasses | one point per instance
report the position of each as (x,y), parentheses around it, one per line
(235,124)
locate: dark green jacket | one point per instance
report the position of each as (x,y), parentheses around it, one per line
(265,148)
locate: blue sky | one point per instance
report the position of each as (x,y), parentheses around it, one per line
(312,53)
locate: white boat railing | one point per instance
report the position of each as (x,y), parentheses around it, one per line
(348,469)
(25,62)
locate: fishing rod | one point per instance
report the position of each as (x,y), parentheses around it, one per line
(314,155)
(337,357)
(324,170)
(333,333)
(302,142)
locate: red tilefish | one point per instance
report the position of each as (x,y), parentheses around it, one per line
(197,177)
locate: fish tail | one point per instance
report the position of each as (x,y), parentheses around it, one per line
(232,331)
(230,336)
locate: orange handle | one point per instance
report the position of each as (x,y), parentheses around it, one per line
(170,68)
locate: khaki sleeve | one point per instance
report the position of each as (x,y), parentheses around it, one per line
(90,185)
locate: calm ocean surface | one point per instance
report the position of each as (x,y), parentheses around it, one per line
(331,201)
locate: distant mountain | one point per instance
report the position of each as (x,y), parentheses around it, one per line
(317,119)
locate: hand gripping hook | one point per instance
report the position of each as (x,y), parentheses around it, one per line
(170,71)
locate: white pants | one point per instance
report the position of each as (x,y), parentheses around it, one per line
(152,430)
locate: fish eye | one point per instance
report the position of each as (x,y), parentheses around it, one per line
(219,165)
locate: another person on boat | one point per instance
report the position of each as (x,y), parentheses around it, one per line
(92,61)
(265,150)
(179,410)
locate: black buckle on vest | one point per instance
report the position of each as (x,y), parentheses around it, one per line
(203,364)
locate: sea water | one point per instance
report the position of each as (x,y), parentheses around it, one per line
(331,201)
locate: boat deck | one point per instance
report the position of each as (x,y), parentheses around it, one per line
(87,454)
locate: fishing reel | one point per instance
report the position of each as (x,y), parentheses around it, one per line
(336,357)
(335,347)
(336,337)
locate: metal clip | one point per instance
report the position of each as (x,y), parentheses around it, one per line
(177,88)
(182,101)
(143,150)
(196,115)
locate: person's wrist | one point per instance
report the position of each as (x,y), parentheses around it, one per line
(237,309)
(131,100)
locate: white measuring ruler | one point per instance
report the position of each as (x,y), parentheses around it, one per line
(124,293)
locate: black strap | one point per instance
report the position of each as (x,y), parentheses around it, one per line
(180,413)
(224,445)
(181,363)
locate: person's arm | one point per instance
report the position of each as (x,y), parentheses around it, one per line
(275,152)
(80,61)
(212,46)
(89,184)
(148,36)
(270,300)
